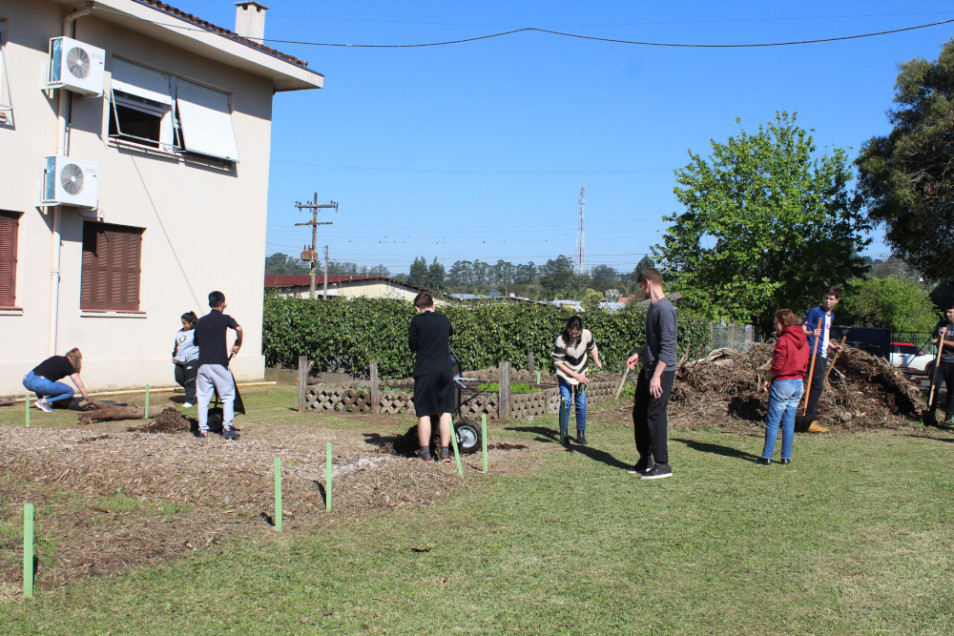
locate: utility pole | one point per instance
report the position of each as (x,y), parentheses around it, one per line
(313,253)
(579,240)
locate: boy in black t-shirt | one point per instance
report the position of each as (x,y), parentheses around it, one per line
(429,338)
(214,374)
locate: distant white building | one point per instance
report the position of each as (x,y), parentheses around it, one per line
(133,181)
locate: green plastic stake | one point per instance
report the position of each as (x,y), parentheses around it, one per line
(28,551)
(278,494)
(145,412)
(328,479)
(28,411)
(483,438)
(538,377)
(453,436)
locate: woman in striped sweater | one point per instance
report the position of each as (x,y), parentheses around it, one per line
(570,359)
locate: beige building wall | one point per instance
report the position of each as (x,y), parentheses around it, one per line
(204,226)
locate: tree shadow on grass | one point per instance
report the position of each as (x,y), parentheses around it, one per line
(716,449)
(549,435)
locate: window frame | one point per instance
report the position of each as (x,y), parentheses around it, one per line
(9,222)
(111,281)
(208,113)
(6,103)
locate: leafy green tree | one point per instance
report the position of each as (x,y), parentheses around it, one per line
(557,273)
(418,273)
(644,263)
(279,263)
(907,178)
(768,224)
(891,303)
(591,301)
(435,275)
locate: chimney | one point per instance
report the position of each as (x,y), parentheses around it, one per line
(250,19)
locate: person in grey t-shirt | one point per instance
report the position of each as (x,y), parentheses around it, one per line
(655,380)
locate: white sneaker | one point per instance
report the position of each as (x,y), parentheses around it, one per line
(187,405)
(43,406)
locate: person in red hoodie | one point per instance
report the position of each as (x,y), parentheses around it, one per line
(789,366)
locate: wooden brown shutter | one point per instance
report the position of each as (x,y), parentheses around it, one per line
(111,268)
(9,223)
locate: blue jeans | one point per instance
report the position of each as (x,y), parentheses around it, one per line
(575,395)
(53,391)
(784,398)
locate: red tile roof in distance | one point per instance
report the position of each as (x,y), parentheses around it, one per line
(188,17)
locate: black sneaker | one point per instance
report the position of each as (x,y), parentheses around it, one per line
(764,461)
(564,438)
(229,434)
(785,462)
(659,471)
(643,466)
(580,438)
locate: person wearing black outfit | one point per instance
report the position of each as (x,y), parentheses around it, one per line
(655,380)
(429,338)
(944,337)
(44,380)
(214,375)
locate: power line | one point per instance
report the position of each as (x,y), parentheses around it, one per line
(542,31)
(610,40)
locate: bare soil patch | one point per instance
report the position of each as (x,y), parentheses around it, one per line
(109,498)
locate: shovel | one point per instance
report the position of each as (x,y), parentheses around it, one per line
(801,422)
(930,419)
(811,371)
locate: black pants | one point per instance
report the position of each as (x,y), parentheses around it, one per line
(945,375)
(185,377)
(649,417)
(818,385)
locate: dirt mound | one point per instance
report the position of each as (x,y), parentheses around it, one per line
(169,421)
(863,391)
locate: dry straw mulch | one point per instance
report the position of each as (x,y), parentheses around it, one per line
(108,499)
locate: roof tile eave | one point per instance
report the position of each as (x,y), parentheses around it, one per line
(188,17)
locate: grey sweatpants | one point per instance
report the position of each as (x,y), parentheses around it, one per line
(210,379)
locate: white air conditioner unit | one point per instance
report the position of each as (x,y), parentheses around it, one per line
(69,181)
(75,66)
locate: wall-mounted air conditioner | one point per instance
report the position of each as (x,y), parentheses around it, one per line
(75,66)
(69,181)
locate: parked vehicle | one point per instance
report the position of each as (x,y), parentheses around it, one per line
(908,356)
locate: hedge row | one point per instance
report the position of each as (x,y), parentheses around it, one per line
(346,335)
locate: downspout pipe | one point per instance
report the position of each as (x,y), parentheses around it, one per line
(63,117)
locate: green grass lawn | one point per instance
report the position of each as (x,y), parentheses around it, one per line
(855,537)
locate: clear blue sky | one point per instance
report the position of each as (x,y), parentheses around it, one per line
(478,150)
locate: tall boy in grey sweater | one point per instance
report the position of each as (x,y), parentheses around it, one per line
(655,381)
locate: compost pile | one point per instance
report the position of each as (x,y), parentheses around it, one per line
(863,391)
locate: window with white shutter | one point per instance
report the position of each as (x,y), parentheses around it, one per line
(205,116)
(163,111)
(142,106)
(6,106)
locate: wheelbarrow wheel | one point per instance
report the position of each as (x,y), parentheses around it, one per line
(215,419)
(468,436)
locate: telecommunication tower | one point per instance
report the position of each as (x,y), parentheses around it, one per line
(579,238)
